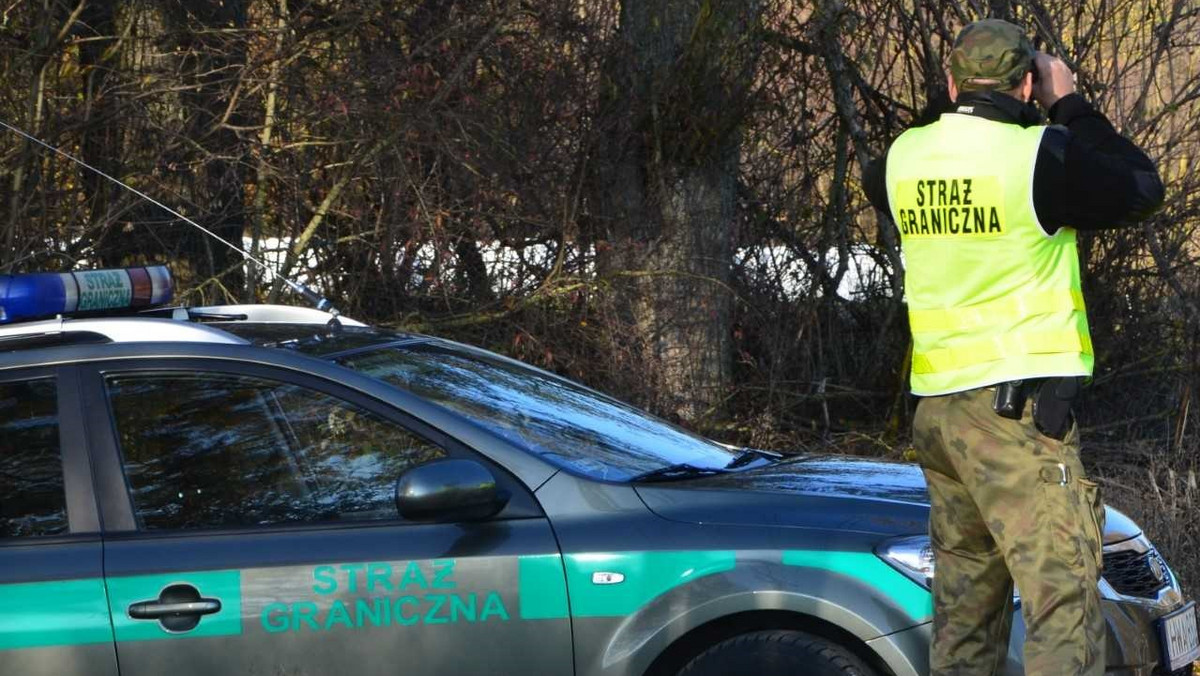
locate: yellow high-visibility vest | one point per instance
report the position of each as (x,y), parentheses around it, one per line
(991,297)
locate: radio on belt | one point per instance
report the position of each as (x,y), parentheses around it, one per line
(46,294)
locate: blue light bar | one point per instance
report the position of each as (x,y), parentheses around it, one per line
(46,294)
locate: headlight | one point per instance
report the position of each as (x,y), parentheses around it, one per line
(913,556)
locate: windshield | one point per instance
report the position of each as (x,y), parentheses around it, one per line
(568,425)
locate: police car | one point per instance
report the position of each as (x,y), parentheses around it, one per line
(261,489)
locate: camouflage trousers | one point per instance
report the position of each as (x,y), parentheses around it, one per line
(1009,504)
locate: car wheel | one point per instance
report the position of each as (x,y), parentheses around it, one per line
(776,653)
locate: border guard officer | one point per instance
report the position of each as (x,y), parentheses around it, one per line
(987,201)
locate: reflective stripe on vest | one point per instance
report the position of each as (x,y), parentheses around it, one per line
(1004,310)
(991,297)
(1002,347)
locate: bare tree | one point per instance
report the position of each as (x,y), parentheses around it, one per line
(676,98)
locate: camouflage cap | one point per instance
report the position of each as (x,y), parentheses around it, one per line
(990,54)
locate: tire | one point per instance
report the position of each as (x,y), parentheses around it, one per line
(776,653)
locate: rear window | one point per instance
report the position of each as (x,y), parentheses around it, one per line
(32,500)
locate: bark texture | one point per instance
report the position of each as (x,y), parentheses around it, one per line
(681,88)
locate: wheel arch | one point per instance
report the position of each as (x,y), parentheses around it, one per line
(865,608)
(683,649)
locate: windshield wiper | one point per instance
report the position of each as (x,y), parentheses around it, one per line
(676,472)
(683,470)
(749,455)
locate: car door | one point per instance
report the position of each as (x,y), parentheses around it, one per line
(251,527)
(53,609)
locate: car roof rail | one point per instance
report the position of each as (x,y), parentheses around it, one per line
(261,314)
(33,341)
(122,329)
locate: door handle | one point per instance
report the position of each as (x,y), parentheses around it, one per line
(178,608)
(153,610)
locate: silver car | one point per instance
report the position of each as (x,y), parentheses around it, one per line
(257,490)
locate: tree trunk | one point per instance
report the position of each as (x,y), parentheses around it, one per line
(213,57)
(25,177)
(258,211)
(679,92)
(101,143)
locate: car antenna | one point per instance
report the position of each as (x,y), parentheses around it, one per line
(318,301)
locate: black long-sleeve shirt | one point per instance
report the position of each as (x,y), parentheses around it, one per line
(1087,176)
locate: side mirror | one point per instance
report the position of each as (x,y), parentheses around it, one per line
(448,490)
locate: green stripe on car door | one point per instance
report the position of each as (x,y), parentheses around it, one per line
(647,575)
(871,570)
(223,585)
(40,614)
(542,589)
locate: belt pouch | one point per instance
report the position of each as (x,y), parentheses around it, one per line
(1052,406)
(1009,401)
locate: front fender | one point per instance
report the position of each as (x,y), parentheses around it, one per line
(854,591)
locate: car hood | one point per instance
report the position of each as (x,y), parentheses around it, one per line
(818,491)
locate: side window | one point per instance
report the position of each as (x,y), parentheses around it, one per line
(208,450)
(32,501)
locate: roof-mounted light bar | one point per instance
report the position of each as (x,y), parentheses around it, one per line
(46,294)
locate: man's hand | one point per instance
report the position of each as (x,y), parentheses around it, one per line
(1055,80)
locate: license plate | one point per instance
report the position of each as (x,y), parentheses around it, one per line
(1180,641)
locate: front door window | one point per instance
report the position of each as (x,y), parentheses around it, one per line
(214,450)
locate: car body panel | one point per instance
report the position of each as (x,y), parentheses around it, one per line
(852,493)
(1130,649)
(748,507)
(423,599)
(670,587)
(906,653)
(53,609)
